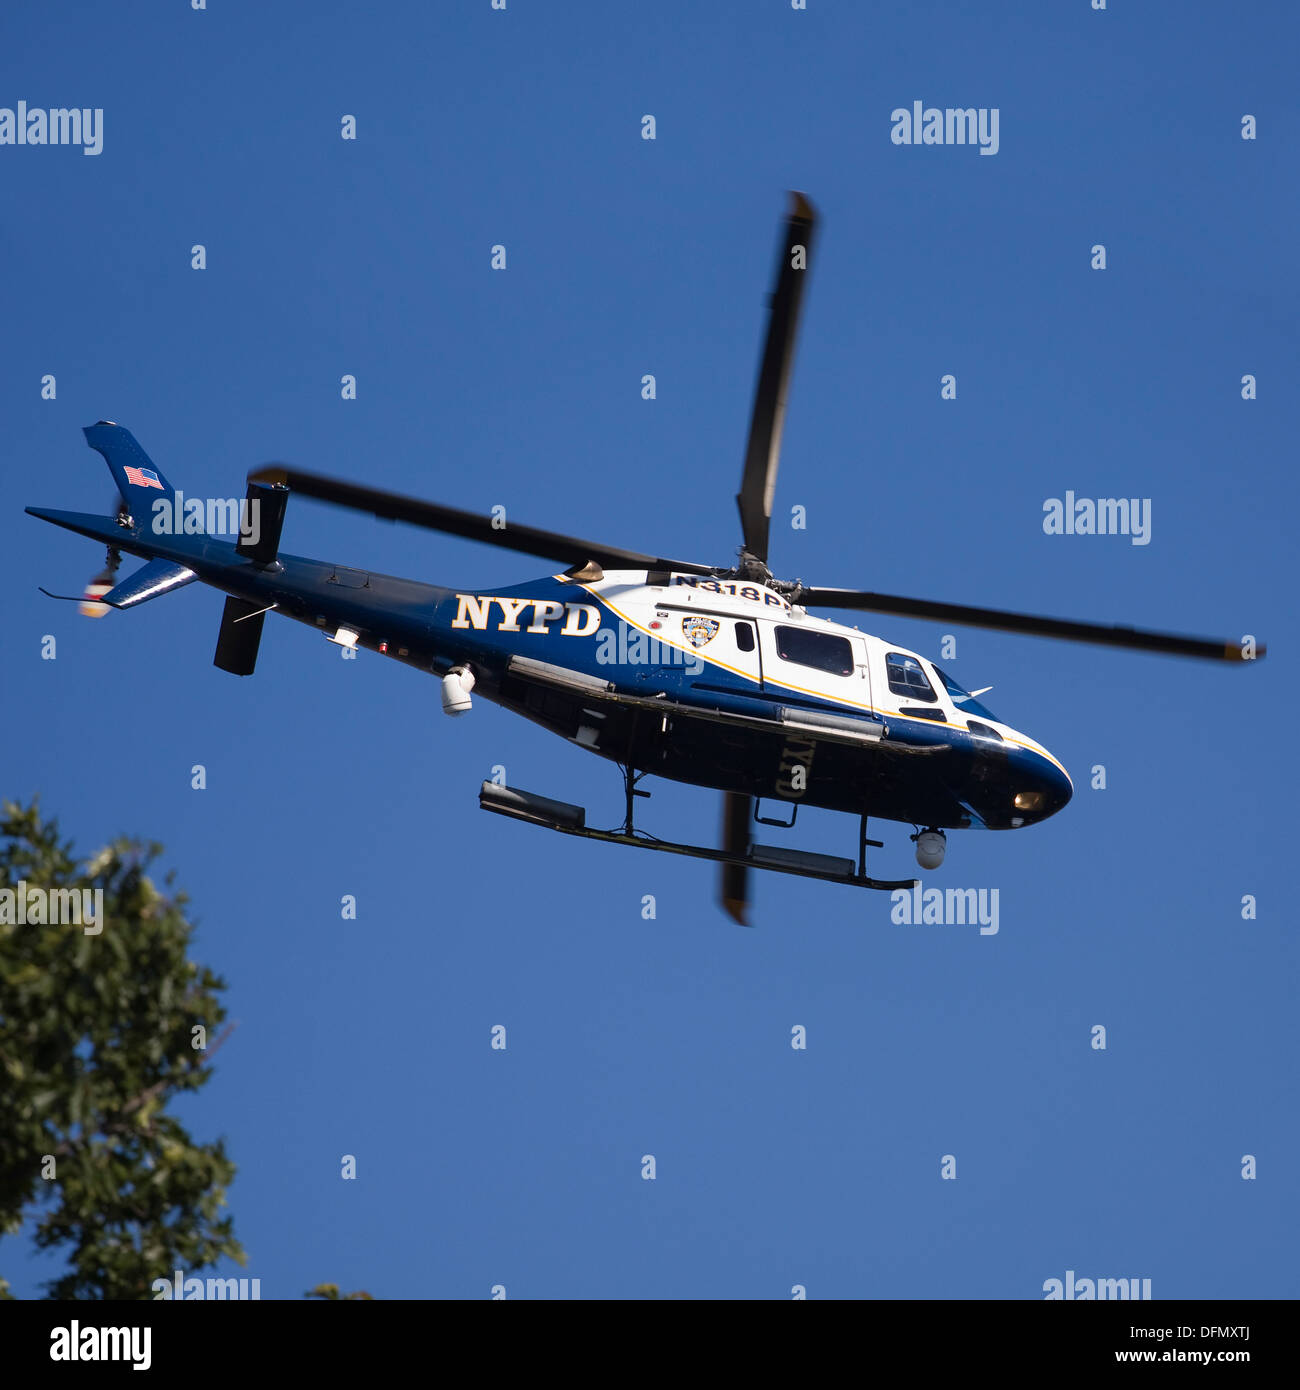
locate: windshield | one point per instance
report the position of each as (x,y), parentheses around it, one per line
(965,702)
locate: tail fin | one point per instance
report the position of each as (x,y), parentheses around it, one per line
(137,479)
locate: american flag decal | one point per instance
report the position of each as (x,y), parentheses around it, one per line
(143,477)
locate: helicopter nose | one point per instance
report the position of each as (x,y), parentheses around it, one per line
(1048,788)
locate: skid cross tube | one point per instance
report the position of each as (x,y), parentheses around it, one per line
(630,778)
(863,842)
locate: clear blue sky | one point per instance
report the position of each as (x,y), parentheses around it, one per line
(671,1037)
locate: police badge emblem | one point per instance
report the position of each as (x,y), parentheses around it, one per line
(699,631)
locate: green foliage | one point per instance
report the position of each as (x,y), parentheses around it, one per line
(95,1040)
(329,1293)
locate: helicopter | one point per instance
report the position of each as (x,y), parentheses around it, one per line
(715,676)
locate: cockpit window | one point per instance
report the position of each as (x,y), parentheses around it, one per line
(966,703)
(907,678)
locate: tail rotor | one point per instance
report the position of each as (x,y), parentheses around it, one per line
(105,580)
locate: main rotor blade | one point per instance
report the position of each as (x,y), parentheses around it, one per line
(734,884)
(763,455)
(474,526)
(1135,639)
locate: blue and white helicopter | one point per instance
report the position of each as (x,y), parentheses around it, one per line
(716,676)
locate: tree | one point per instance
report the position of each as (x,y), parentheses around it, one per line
(99,1030)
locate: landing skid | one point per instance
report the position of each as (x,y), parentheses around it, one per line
(572,820)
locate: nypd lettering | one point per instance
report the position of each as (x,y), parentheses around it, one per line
(475,611)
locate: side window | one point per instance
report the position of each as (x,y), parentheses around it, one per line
(744,637)
(908,679)
(823,651)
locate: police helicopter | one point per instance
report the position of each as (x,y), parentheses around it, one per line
(718,676)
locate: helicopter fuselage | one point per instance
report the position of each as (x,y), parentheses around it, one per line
(716,682)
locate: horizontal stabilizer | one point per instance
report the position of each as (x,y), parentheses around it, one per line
(240,636)
(156,578)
